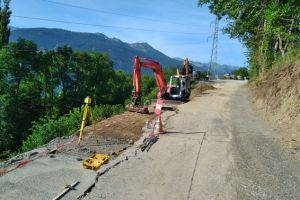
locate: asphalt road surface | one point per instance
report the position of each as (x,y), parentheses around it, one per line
(216,147)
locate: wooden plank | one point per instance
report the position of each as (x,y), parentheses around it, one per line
(66,190)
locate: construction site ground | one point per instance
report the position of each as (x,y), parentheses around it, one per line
(46,174)
(215,147)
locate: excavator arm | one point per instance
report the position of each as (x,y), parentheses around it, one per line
(158,75)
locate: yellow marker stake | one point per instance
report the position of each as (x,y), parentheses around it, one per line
(87,109)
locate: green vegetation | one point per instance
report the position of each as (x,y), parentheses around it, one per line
(4,22)
(149,87)
(242,72)
(291,56)
(45,85)
(269,29)
(42,92)
(50,127)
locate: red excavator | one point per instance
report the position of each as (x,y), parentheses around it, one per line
(174,94)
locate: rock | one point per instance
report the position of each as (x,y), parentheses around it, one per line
(296,148)
(33,153)
(131,142)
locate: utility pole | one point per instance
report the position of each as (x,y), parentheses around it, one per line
(214,50)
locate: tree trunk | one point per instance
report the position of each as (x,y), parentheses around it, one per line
(280,46)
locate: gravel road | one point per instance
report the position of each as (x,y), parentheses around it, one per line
(216,147)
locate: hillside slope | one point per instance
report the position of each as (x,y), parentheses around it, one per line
(121,53)
(278,96)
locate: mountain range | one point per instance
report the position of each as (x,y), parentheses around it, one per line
(121,53)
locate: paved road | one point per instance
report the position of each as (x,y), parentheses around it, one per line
(216,147)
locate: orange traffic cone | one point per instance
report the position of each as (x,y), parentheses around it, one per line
(158,126)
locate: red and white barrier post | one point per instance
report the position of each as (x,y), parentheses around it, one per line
(158,123)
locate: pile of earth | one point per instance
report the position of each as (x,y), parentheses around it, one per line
(278,97)
(201,87)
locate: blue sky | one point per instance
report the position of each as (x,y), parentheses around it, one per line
(178,28)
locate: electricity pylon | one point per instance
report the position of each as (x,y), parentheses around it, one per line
(214,50)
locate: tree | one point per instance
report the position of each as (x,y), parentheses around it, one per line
(267,28)
(20,89)
(49,84)
(4,22)
(243,72)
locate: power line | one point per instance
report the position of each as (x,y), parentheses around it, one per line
(214,49)
(181,3)
(116,13)
(102,25)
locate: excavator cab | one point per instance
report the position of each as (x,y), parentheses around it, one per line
(179,87)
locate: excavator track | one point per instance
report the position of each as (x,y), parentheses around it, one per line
(143,110)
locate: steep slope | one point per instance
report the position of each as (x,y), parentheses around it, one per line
(120,52)
(278,97)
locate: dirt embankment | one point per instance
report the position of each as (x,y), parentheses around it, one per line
(278,97)
(201,87)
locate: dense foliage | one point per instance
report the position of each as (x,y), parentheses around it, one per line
(268,28)
(41,92)
(34,84)
(4,22)
(50,127)
(242,72)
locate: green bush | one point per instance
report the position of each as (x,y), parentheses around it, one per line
(50,127)
(147,99)
(291,56)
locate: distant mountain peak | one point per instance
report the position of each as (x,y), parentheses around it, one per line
(121,53)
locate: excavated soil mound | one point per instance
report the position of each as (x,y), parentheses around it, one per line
(278,96)
(110,136)
(201,87)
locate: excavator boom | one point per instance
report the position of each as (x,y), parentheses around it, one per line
(151,64)
(136,93)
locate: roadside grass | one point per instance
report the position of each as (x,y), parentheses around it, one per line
(291,56)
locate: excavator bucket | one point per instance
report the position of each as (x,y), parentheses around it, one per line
(143,110)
